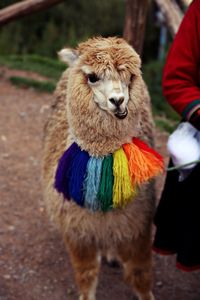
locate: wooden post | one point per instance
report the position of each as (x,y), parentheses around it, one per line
(135,21)
(172,13)
(24,8)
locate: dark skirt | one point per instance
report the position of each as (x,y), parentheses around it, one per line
(178,220)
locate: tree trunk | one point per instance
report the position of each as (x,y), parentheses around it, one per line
(172,13)
(135,21)
(24,8)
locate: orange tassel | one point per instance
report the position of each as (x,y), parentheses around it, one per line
(144,162)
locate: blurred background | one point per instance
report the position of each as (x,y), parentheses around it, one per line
(33,259)
(32,42)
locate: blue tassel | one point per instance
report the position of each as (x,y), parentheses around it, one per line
(92,182)
(78,171)
(64,170)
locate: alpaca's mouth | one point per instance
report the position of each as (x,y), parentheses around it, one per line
(121,115)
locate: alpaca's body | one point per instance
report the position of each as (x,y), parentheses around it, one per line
(125,232)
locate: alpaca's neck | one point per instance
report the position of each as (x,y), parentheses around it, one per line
(101,134)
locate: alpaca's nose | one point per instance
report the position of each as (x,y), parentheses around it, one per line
(117,101)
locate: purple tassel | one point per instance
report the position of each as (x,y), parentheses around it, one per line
(64,170)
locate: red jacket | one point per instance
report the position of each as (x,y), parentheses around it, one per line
(181,76)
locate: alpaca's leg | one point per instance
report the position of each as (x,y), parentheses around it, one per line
(111,258)
(86,263)
(136,260)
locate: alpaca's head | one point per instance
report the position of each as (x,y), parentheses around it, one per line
(107,67)
(105,88)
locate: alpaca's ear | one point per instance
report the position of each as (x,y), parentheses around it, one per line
(68,55)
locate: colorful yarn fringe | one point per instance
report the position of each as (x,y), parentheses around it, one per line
(103,183)
(122,189)
(105,192)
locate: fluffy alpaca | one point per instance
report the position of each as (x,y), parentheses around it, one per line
(101,103)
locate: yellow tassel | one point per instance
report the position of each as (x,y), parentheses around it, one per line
(123,190)
(143,165)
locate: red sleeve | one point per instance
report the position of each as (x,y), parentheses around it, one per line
(181,76)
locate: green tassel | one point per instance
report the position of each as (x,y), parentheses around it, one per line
(105,192)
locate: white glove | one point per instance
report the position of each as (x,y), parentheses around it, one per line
(184,147)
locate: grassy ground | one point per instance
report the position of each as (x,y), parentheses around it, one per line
(49,68)
(42,86)
(42,65)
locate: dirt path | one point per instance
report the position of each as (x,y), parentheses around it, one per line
(33,262)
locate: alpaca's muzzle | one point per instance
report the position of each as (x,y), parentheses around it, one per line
(121,115)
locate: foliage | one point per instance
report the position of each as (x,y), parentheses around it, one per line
(5,3)
(152,73)
(46,32)
(165,124)
(70,22)
(42,86)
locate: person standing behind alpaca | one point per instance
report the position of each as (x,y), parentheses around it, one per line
(177,218)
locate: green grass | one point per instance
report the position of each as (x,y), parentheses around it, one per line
(42,86)
(166,125)
(42,65)
(152,73)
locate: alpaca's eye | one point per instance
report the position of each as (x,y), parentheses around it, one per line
(93,78)
(132,77)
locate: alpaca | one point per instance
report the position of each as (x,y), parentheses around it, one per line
(101,103)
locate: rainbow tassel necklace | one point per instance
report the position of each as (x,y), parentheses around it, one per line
(104,183)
